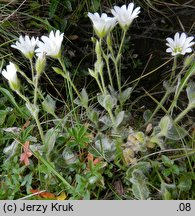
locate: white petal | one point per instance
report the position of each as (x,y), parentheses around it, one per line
(169,50)
(170,40)
(188,50)
(130,7)
(177,38)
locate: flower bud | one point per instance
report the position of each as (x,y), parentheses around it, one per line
(189,59)
(40,63)
(99,66)
(11,75)
(98,50)
(93,39)
(109,41)
(92,73)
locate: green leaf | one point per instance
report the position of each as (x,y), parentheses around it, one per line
(176,133)
(191,94)
(168,87)
(106,120)
(59,71)
(11,120)
(84,98)
(175,169)
(83,101)
(93,115)
(33,109)
(107,101)
(165,125)
(140,136)
(140,189)
(50,139)
(147,114)
(69,156)
(119,118)
(125,95)
(49,104)
(52,8)
(166,172)
(93,179)
(3,114)
(173,132)
(11,149)
(10,97)
(166,195)
(166,161)
(185,183)
(158,140)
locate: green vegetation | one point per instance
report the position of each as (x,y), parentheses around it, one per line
(103,118)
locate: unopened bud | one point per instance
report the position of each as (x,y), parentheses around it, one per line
(109,41)
(189,59)
(98,50)
(40,63)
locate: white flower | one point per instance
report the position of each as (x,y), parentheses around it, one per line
(10,74)
(26,45)
(102,24)
(180,45)
(125,14)
(51,45)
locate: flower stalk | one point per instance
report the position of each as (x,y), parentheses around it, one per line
(34,111)
(173,68)
(67,77)
(183,113)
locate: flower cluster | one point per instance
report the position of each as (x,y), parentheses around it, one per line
(123,15)
(51,45)
(102,24)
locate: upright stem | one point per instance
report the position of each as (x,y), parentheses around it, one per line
(117,76)
(99,84)
(112,117)
(106,58)
(173,69)
(117,59)
(101,72)
(183,113)
(40,128)
(183,82)
(159,106)
(23,97)
(74,87)
(121,45)
(32,69)
(102,81)
(36,89)
(30,82)
(35,117)
(68,78)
